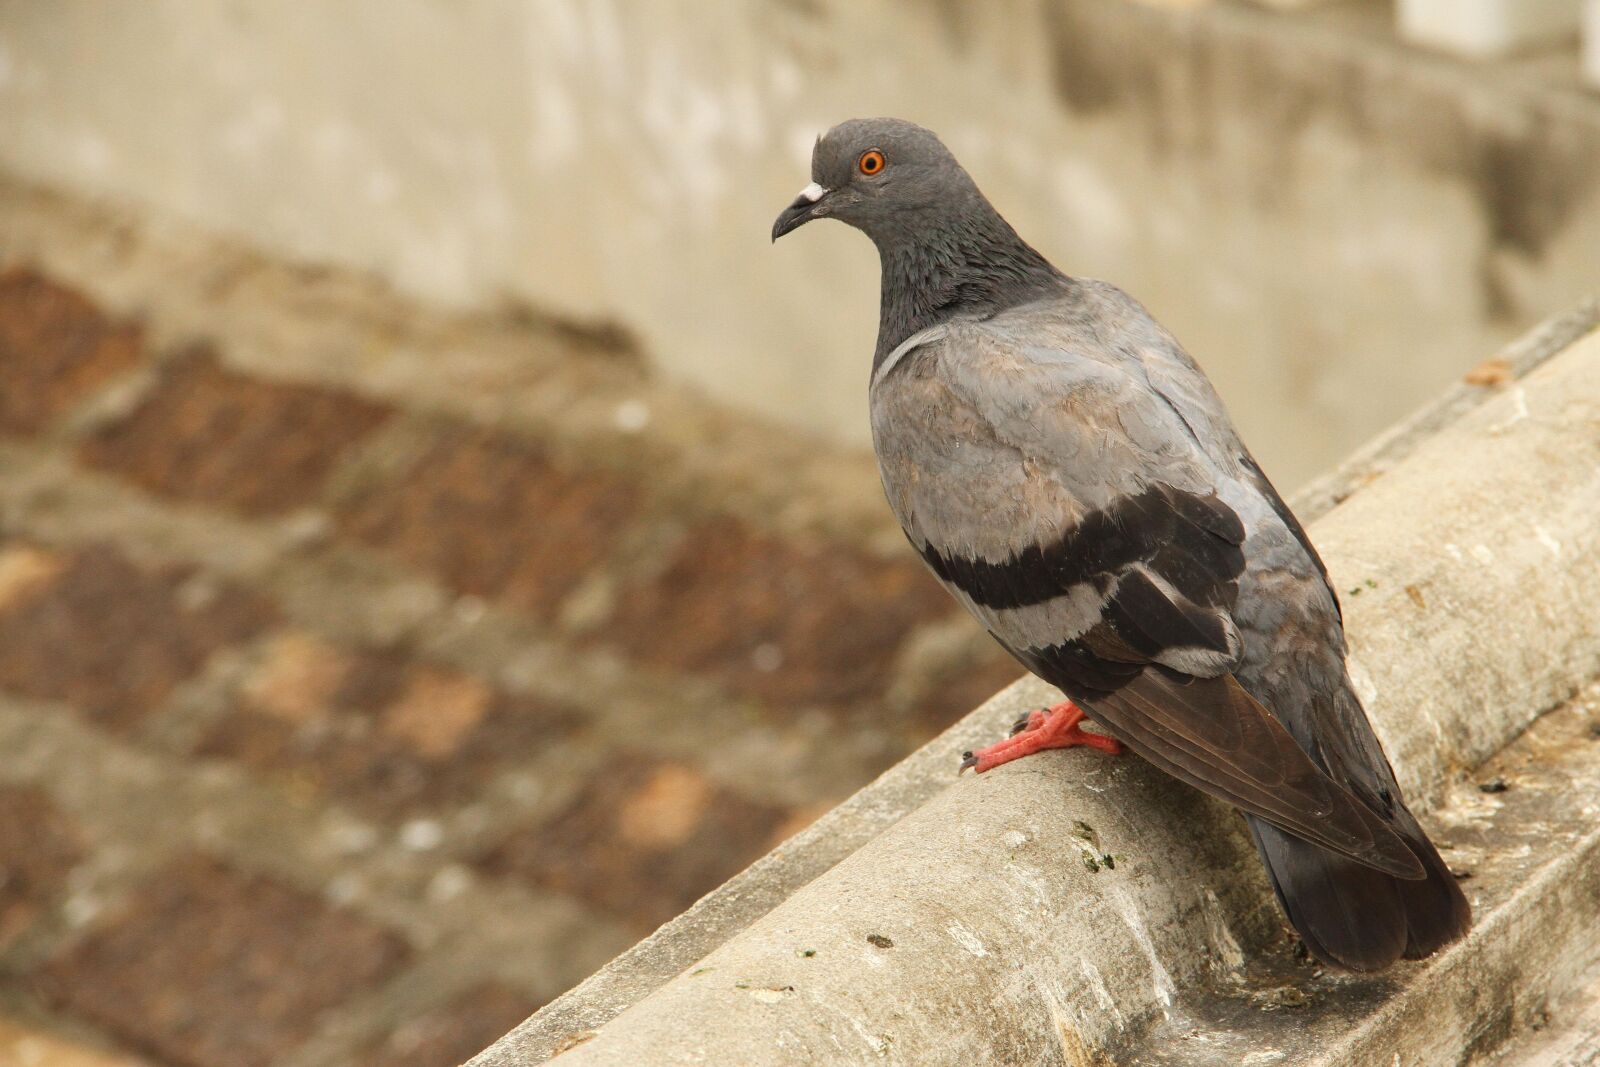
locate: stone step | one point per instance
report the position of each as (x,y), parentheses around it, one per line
(1569,1035)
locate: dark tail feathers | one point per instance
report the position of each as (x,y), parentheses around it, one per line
(1357,918)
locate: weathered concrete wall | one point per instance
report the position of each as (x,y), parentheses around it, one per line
(977,929)
(1328,219)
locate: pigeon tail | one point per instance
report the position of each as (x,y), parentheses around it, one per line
(1353,916)
(1357,918)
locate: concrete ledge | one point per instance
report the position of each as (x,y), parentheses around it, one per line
(1472,588)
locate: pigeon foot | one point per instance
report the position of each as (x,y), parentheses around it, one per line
(1042,728)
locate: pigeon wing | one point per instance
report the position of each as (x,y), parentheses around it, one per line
(1065,502)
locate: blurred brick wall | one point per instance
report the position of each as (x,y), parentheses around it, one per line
(369,676)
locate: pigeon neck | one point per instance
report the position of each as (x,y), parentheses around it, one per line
(969,266)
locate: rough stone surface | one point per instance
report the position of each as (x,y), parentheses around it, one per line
(227,940)
(113,638)
(378,728)
(643,839)
(55,347)
(38,850)
(493,517)
(215,437)
(745,605)
(1566,1033)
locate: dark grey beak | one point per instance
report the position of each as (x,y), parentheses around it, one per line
(802,211)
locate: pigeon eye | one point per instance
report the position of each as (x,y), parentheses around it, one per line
(870,163)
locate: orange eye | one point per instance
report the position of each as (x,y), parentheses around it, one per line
(871,162)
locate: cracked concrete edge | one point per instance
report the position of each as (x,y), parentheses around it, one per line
(748,897)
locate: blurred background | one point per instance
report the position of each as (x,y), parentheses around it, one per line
(437,540)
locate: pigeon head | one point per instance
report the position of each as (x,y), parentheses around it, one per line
(885,177)
(945,251)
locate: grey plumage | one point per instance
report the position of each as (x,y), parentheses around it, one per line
(1071,477)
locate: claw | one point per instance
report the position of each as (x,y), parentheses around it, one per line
(1042,728)
(1031,721)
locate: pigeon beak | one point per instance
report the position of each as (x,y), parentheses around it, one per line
(800,212)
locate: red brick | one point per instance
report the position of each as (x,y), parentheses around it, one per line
(455,1032)
(55,348)
(212,436)
(374,679)
(644,840)
(788,623)
(207,966)
(378,729)
(113,638)
(298,678)
(38,848)
(437,711)
(492,516)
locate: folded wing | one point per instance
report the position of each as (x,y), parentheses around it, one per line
(1080,523)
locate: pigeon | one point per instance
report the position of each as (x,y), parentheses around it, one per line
(1070,476)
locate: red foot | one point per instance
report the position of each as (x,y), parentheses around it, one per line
(1044,728)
